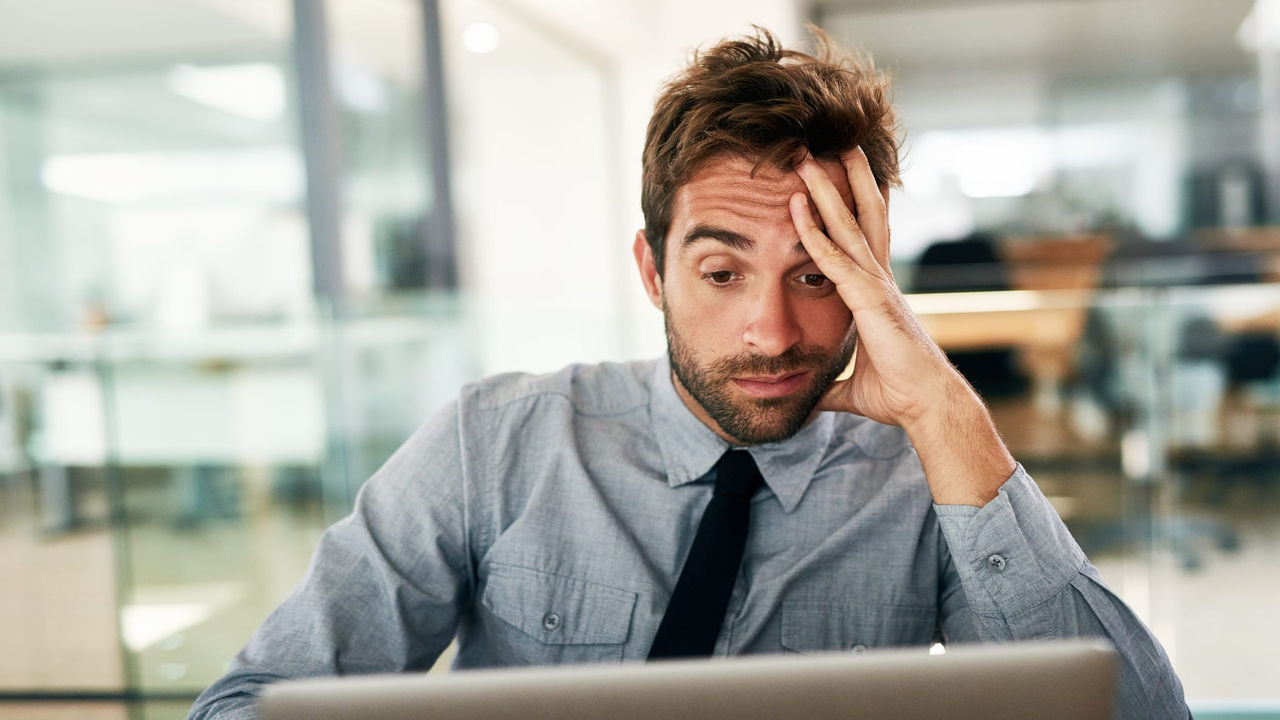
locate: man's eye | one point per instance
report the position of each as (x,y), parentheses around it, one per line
(814,280)
(719,277)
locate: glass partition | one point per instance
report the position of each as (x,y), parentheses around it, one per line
(180,415)
(1148,416)
(150,194)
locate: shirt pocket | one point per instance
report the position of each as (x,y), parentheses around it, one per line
(809,626)
(548,618)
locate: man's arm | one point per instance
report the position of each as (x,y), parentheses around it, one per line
(1021,574)
(1023,577)
(385,586)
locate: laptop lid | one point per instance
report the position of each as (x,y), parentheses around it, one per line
(1057,680)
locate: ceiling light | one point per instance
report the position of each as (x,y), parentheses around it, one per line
(480,38)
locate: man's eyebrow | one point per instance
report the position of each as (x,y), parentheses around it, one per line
(737,241)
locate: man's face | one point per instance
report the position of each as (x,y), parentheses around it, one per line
(755,332)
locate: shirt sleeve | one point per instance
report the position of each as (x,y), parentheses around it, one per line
(1024,578)
(385,586)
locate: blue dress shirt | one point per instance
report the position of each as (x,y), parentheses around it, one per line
(545,519)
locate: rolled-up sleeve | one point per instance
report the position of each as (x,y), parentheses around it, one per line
(1025,578)
(385,586)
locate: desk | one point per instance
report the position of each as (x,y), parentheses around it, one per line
(1043,325)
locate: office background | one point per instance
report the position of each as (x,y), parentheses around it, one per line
(246,246)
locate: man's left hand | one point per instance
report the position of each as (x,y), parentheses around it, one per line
(901,376)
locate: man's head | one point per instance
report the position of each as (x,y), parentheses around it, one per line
(750,98)
(756,333)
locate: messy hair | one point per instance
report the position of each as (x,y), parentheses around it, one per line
(753,99)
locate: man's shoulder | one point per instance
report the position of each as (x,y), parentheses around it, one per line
(588,389)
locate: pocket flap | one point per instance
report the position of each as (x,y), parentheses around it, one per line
(559,610)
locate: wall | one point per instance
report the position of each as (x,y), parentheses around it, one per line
(547,132)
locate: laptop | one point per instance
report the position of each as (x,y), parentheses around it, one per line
(1057,680)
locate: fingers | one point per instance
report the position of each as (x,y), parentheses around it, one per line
(842,226)
(830,258)
(868,203)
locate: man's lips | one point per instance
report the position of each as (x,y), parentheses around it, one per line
(771,386)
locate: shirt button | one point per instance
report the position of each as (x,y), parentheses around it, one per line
(997,562)
(859,648)
(551,621)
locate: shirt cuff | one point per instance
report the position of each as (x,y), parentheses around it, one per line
(1012,554)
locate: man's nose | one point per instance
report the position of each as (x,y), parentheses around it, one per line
(772,327)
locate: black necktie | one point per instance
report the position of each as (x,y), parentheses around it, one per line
(693,618)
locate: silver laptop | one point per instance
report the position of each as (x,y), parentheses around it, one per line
(1047,681)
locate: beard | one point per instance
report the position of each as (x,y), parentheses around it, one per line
(748,420)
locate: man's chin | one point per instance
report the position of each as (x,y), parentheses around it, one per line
(764,436)
(770,420)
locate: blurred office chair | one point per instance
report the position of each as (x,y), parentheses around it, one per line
(972,264)
(1250,360)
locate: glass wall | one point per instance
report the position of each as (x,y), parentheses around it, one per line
(182,410)
(151,185)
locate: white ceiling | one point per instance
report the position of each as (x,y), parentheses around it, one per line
(1072,39)
(950,52)
(79,32)
(86,34)
(1062,38)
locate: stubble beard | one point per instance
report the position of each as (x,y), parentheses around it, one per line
(752,421)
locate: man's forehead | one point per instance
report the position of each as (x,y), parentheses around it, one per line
(734,203)
(738,172)
(764,184)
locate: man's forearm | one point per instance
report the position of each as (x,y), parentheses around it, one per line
(964,459)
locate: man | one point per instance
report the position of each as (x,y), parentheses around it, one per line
(560,519)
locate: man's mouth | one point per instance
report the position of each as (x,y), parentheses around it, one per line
(771,386)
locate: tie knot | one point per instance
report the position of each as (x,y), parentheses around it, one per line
(737,474)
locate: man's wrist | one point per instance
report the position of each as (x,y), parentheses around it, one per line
(964,459)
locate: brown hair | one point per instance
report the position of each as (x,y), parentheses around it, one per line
(754,99)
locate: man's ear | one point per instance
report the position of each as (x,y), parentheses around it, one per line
(648,270)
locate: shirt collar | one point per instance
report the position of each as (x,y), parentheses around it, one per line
(690,449)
